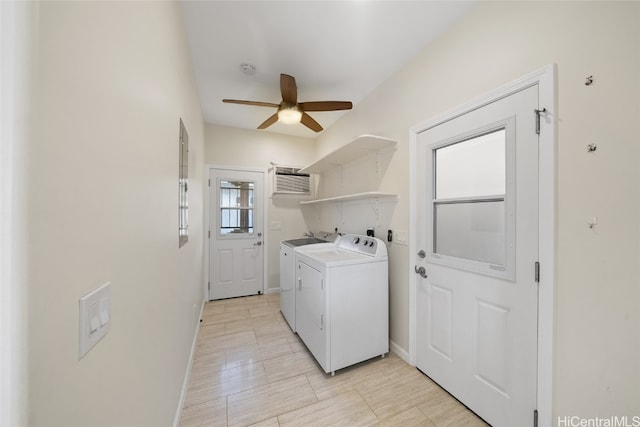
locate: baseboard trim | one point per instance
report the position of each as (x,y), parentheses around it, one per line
(399,351)
(187,375)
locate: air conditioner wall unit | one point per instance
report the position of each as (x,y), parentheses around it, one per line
(289,180)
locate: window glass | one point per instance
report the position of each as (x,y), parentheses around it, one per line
(472,168)
(236,207)
(474,231)
(469,203)
(183,186)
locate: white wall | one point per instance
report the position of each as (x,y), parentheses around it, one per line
(112,81)
(226,146)
(598,290)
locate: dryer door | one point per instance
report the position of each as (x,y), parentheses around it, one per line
(310,311)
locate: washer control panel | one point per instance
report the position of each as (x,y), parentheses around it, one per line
(362,244)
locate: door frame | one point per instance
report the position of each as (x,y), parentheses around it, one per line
(545,78)
(209,232)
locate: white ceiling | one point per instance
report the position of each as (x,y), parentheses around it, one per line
(336,50)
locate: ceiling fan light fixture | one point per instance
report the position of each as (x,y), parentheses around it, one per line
(289,114)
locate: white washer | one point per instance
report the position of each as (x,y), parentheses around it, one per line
(342,300)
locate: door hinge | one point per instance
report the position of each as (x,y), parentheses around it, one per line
(538,112)
(535,418)
(209,234)
(321,321)
(322,285)
(209,286)
(209,182)
(537,272)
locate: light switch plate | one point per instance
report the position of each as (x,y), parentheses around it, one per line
(402,237)
(95,317)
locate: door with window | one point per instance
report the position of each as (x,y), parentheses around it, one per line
(236,227)
(476,294)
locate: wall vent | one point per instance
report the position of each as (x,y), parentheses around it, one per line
(289,180)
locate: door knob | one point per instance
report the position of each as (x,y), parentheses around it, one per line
(421,271)
(257,243)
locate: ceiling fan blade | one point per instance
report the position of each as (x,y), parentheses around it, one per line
(256,103)
(289,89)
(271,120)
(308,121)
(326,105)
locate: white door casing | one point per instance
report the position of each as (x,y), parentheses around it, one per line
(466,358)
(236,227)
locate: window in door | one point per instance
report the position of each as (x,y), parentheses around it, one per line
(469,208)
(236,207)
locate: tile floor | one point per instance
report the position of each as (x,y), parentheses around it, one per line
(249,369)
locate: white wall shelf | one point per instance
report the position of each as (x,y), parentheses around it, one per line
(359,147)
(348,197)
(335,211)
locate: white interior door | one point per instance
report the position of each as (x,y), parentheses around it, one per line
(236,227)
(477,236)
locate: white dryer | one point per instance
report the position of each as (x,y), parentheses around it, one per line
(342,300)
(288,278)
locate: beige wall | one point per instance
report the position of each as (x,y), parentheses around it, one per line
(113,79)
(226,146)
(598,290)
(101,187)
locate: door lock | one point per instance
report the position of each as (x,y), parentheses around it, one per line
(421,271)
(257,244)
(422,254)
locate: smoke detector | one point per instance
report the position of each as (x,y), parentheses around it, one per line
(248,69)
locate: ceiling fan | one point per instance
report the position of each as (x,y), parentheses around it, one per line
(290,110)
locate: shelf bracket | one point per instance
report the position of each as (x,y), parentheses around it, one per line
(375,207)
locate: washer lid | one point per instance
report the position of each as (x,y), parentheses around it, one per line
(328,255)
